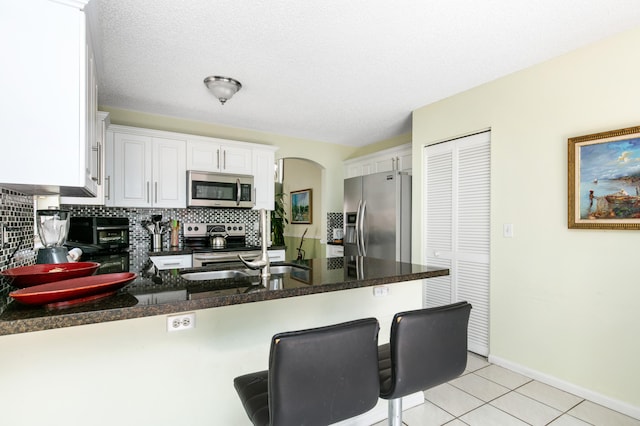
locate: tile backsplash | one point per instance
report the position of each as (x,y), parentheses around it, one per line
(334,220)
(17,216)
(140,238)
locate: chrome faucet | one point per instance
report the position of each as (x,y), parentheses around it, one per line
(261,262)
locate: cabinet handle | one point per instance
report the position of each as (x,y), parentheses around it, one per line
(218,155)
(393,164)
(98,150)
(107,190)
(148,200)
(155,191)
(224,160)
(99,159)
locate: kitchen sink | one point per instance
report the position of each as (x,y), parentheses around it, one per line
(241,273)
(275,270)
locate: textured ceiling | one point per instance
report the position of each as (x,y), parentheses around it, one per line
(345,72)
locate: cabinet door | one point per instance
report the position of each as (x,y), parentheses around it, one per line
(132,170)
(403,161)
(237,160)
(203,156)
(99,160)
(384,164)
(215,157)
(264,178)
(32,36)
(169,169)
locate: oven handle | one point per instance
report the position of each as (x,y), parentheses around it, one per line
(221,257)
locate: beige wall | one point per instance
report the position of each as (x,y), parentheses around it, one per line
(563,302)
(298,175)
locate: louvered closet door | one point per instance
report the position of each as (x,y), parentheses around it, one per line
(456,223)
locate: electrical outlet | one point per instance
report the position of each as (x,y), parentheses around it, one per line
(381,291)
(181,322)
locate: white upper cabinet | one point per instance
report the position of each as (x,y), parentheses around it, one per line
(397,158)
(148,171)
(98,165)
(264,177)
(148,168)
(217,155)
(48,60)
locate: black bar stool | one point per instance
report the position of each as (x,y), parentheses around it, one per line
(427,347)
(317,376)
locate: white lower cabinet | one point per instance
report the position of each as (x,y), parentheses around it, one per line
(148,171)
(172,261)
(335,251)
(276,255)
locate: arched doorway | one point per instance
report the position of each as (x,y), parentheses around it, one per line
(295,175)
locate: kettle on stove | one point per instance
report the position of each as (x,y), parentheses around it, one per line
(219,240)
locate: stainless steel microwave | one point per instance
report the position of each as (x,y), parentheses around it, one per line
(207,189)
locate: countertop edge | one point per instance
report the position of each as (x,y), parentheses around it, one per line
(140,311)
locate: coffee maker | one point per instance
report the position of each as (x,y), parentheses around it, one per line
(53,227)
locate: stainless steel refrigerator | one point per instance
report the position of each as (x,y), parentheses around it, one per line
(377,216)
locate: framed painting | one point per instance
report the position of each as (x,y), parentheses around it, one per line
(301,207)
(604,180)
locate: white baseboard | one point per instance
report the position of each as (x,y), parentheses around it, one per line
(381,411)
(605,401)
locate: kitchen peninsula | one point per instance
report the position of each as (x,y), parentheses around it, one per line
(167,292)
(118,353)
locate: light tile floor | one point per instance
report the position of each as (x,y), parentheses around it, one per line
(489,395)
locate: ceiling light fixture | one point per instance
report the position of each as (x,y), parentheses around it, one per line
(223,88)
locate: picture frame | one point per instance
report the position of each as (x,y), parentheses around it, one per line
(604,180)
(301,206)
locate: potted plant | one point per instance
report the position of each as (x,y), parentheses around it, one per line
(278,220)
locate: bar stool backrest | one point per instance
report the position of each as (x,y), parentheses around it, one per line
(428,348)
(323,375)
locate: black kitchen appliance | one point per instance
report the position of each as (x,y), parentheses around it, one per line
(99,235)
(102,239)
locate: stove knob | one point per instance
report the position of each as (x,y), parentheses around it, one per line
(195,228)
(189,228)
(239,228)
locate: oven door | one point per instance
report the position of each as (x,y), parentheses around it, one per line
(211,258)
(219,190)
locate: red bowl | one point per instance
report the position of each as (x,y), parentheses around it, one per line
(73,290)
(27,276)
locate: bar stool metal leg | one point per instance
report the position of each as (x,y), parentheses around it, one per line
(395,412)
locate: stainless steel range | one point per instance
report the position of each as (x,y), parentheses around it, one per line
(199,237)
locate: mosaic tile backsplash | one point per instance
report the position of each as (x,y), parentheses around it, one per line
(334,220)
(16,214)
(140,237)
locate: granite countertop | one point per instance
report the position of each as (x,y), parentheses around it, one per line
(166,292)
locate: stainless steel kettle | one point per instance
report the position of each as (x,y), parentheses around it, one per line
(219,241)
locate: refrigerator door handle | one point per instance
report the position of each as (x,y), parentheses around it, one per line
(358,227)
(362,214)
